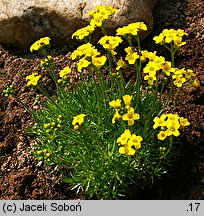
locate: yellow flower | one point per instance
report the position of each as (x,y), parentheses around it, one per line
(139,25)
(159,121)
(159,61)
(172,117)
(99,61)
(162,135)
(64,72)
(76,54)
(189,73)
(166,68)
(159,39)
(120,64)
(123,139)
(116,116)
(127,100)
(172,131)
(83,63)
(184,122)
(178,42)
(33,79)
(152,67)
(130,116)
(150,79)
(40,44)
(135,141)
(131,56)
(97,20)
(195,83)
(122,31)
(172,128)
(181,32)
(127,150)
(78,120)
(115,103)
(170,35)
(179,82)
(91,13)
(91,52)
(177,73)
(104,13)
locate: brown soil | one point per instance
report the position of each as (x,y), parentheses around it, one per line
(22,177)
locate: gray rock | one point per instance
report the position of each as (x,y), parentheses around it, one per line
(24,21)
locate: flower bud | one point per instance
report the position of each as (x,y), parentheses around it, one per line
(53,124)
(48,131)
(47,155)
(76,127)
(39,152)
(44,151)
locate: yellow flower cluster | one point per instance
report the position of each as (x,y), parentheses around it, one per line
(85,50)
(83,32)
(146,55)
(53,126)
(158,63)
(180,76)
(169,123)
(152,67)
(33,79)
(39,44)
(99,61)
(171,36)
(101,13)
(130,143)
(110,43)
(88,54)
(130,116)
(131,29)
(78,121)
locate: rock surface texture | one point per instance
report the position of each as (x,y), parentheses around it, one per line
(22,22)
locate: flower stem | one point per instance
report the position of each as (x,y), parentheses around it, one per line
(169,150)
(177,98)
